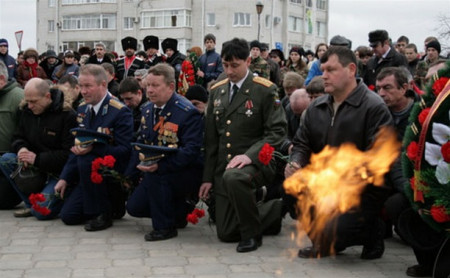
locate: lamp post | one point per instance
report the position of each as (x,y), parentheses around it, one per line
(259,9)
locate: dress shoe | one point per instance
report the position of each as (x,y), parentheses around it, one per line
(101,222)
(249,245)
(419,271)
(157,235)
(25,212)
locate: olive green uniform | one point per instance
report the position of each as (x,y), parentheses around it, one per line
(260,67)
(254,117)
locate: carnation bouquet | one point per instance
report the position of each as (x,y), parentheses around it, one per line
(426,159)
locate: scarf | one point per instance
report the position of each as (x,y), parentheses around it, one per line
(32,68)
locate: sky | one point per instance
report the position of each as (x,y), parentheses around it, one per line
(353,19)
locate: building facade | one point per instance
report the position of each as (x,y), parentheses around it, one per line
(70,24)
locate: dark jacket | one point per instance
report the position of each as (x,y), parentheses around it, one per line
(47,134)
(10,64)
(357,120)
(122,73)
(93,60)
(49,68)
(393,59)
(211,65)
(175,61)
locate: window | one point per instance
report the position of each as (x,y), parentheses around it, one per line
(295,24)
(296,1)
(51,3)
(210,19)
(321,26)
(87,22)
(69,2)
(51,26)
(309,3)
(268,21)
(166,18)
(241,19)
(321,4)
(128,23)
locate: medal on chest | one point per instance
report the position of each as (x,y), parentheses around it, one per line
(249,106)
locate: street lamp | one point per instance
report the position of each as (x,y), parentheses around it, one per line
(259,9)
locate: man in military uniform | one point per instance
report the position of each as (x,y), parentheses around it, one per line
(244,113)
(275,72)
(127,65)
(172,125)
(102,113)
(258,65)
(151,46)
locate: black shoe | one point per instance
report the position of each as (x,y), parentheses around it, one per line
(249,245)
(419,271)
(310,253)
(374,251)
(156,235)
(101,222)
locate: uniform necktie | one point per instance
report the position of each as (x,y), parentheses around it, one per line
(92,114)
(157,113)
(235,90)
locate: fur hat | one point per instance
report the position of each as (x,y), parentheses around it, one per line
(256,44)
(378,36)
(197,92)
(3,42)
(434,44)
(30,52)
(151,42)
(129,42)
(169,43)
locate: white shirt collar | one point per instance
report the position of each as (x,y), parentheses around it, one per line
(240,82)
(98,105)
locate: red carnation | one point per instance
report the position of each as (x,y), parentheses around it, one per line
(412,182)
(109,161)
(439,214)
(372,87)
(199,212)
(265,154)
(412,151)
(96,164)
(439,85)
(445,150)
(42,210)
(192,218)
(423,115)
(96,177)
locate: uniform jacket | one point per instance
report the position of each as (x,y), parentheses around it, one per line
(253,118)
(122,73)
(71,70)
(357,120)
(10,96)
(180,112)
(48,134)
(260,67)
(113,118)
(374,66)
(154,60)
(24,74)
(211,65)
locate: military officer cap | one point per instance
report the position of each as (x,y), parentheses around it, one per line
(169,43)
(150,154)
(129,42)
(86,137)
(151,42)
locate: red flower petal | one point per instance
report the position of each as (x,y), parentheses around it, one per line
(445,150)
(265,154)
(412,151)
(423,115)
(439,214)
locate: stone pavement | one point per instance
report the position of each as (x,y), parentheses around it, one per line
(31,248)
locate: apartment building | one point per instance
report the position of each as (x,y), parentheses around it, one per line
(70,24)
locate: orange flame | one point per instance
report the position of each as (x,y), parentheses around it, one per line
(334,180)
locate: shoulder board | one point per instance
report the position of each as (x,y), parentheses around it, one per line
(116,104)
(185,106)
(82,103)
(220,83)
(262,81)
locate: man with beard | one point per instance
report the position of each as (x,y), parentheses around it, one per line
(127,65)
(151,46)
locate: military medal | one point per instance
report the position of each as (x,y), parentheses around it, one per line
(217,102)
(249,106)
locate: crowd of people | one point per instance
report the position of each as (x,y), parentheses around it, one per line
(87,136)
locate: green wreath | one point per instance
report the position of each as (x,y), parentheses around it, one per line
(426,159)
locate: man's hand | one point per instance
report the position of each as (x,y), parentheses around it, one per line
(78,150)
(26,156)
(200,73)
(150,168)
(60,188)
(239,161)
(203,193)
(290,169)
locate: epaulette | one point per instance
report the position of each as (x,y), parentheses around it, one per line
(82,103)
(220,83)
(183,105)
(115,103)
(263,81)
